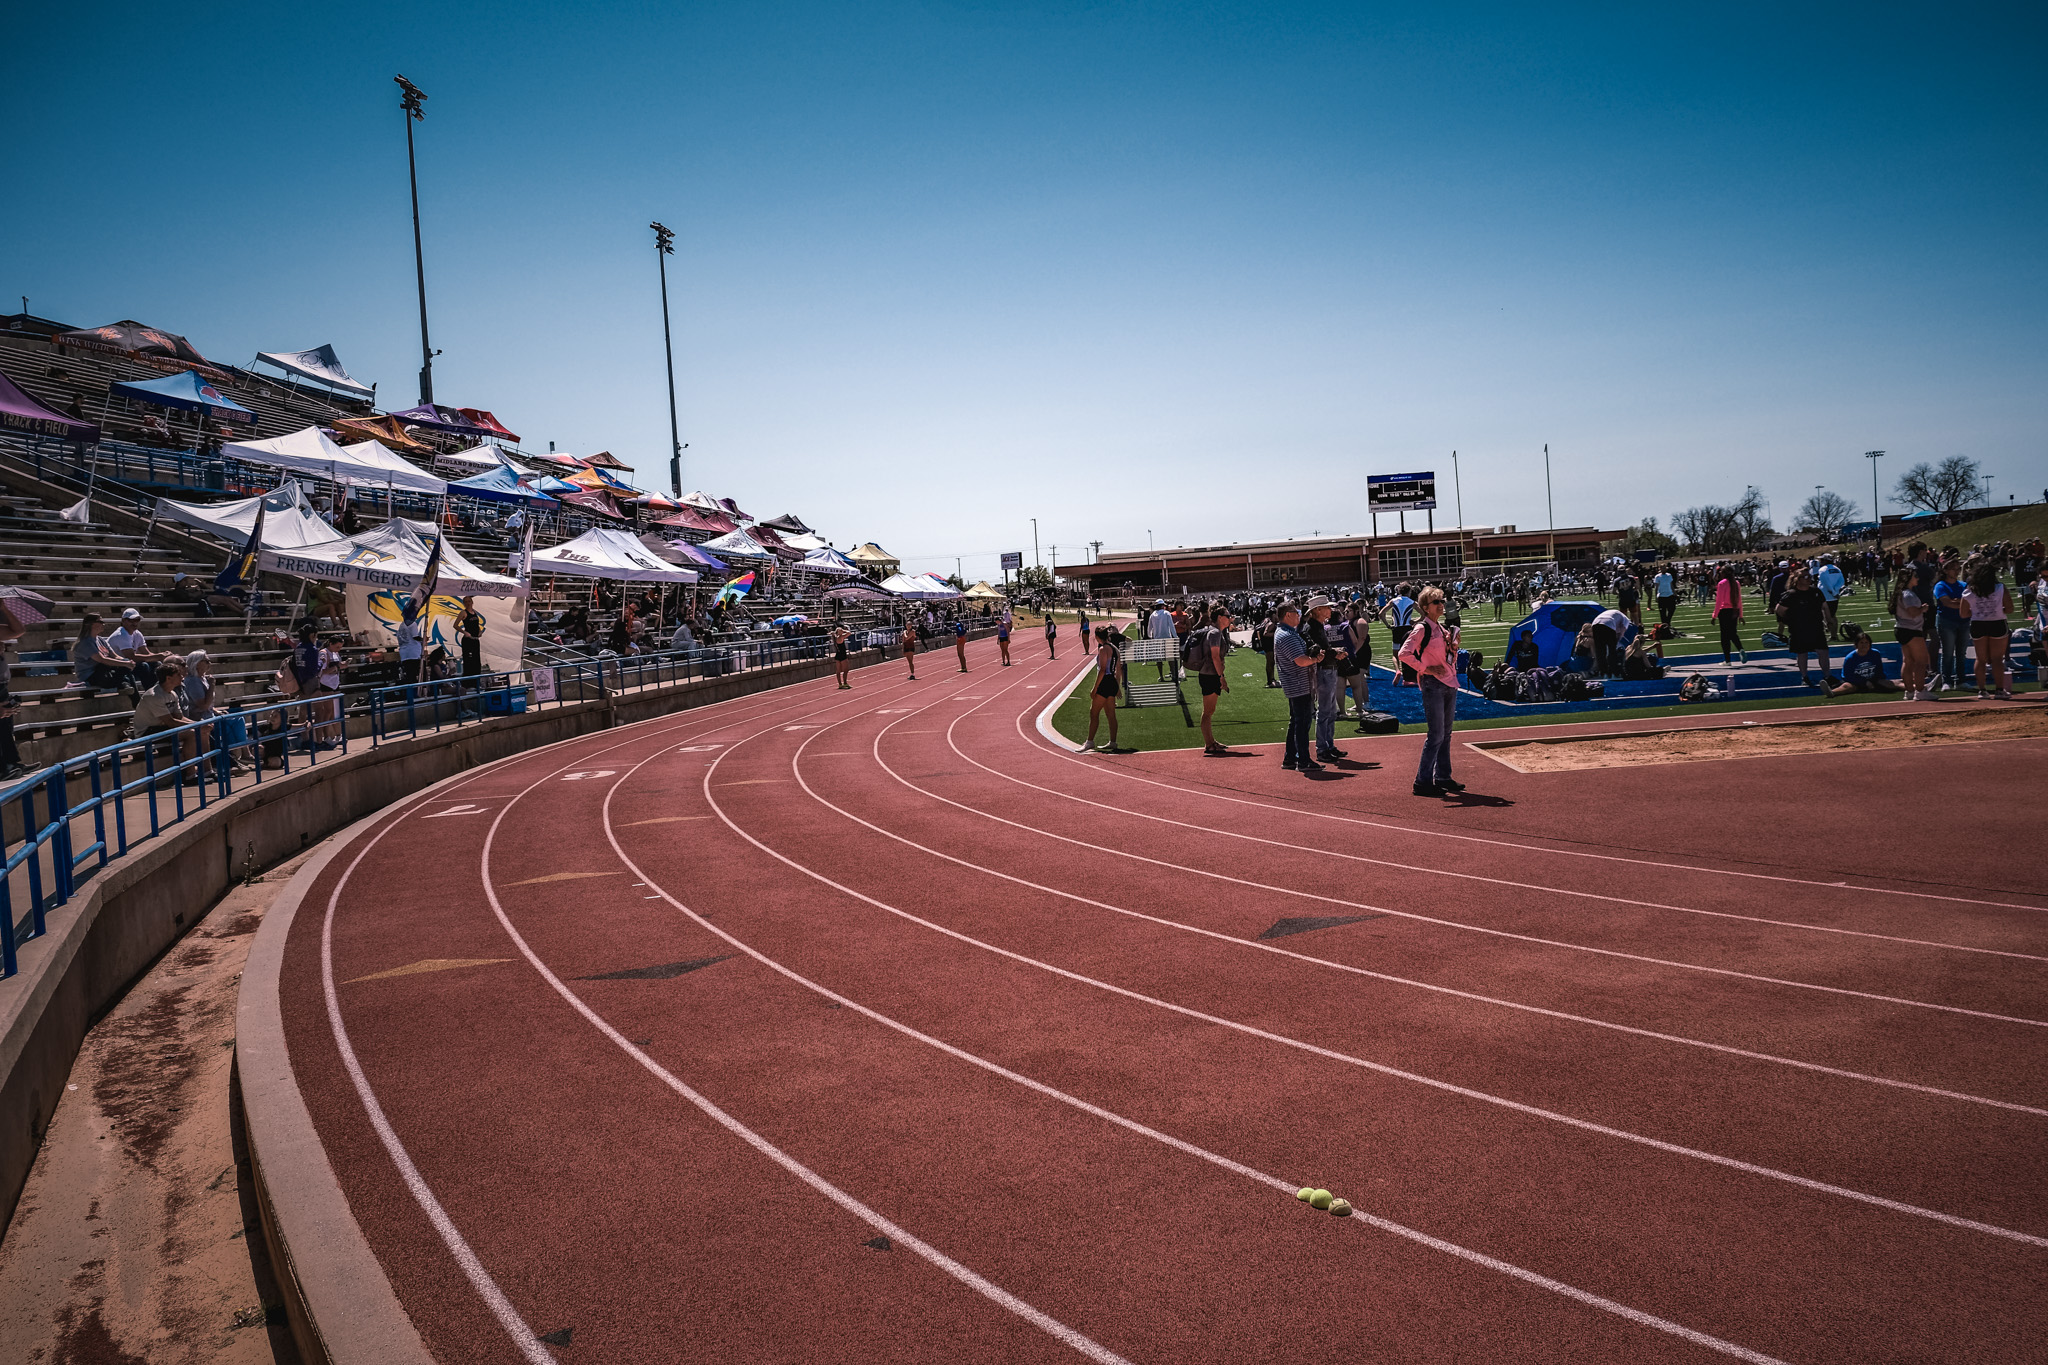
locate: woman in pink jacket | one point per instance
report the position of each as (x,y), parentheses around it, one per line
(1431,649)
(1728,612)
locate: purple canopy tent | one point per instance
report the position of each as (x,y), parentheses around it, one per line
(19,412)
(436,418)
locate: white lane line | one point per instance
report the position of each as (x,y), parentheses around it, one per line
(523,1336)
(1254,944)
(1059,750)
(992,1291)
(1531,1277)
(1903,1001)
(1497,881)
(1586,1125)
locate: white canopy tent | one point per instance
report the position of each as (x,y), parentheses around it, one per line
(367,465)
(602,552)
(829,562)
(320,364)
(476,457)
(922,588)
(290,521)
(738,543)
(804,540)
(393,555)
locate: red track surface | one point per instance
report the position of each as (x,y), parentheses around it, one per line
(1668,1063)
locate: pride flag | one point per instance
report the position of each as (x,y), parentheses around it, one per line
(736,589)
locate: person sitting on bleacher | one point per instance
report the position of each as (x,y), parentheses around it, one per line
(131,644)
(97,666)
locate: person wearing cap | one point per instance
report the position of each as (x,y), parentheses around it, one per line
(131,644)
(1329,683)
(1296,663)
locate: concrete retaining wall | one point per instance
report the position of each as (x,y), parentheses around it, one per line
(126,915)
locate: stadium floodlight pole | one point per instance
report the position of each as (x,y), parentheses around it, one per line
(1876,512)
(1550,502)
(409,100)
(1034,542)
(664,247)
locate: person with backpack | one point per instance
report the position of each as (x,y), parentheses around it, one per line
(1357,642)
(1329,683)
(1431,649)
(1204,653)
(1803,611)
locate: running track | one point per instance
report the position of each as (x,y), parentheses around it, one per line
(1706,1062)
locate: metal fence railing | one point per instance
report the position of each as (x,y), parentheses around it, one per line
(73,817)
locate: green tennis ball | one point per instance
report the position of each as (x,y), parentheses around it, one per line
(1341,1207)
(1307,1193)
(1320,1199)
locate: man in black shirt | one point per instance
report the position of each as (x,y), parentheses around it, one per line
(1209,647)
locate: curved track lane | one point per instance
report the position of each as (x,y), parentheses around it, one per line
(823,1025)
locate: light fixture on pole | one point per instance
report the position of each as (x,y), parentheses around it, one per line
(409,99)
(665,247)
(1876,512)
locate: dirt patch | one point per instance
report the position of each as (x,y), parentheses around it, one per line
(1907,731)
(136,1239)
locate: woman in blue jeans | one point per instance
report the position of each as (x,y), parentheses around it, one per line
(1431,649)
(1951,627)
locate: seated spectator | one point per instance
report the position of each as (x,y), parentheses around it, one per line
(162,708)
(97,666)
(1863,671)
(684,638)
(131,644)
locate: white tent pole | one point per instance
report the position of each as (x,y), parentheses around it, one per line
(143,549)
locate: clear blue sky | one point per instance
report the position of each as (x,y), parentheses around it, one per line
(1123,267)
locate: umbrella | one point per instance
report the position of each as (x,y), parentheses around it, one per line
(791,620)
(29,608)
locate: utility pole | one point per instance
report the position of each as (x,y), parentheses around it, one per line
(665,247)
(1094,550)
(409,100)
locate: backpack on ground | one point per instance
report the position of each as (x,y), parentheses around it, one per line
(1379,723)
(1694,688)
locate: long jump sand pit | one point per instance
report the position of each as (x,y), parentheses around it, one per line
(1563,753)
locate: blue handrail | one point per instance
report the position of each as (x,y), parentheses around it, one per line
(225,752)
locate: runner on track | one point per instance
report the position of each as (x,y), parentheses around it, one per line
(840,663)
(910,648)
(1103,698)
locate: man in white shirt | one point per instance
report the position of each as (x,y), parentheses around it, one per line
(1611,629)
(684,638)
(130,643)
(1830,580)
(1159,626)
(409,651)
(1667,594)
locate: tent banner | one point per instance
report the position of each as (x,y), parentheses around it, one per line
(374,613)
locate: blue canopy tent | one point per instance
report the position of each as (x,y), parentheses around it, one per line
(499,485)
(187,392)
(1555,626)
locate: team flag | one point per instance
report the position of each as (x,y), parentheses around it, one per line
(416,605)
(240,574)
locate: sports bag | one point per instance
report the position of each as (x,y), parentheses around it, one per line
(1379,723)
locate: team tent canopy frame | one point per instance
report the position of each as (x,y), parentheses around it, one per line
(830,563)
(187,392)
(21,413)
(289,521)
(603,552)
(393,555)
(923,588)
(367,465)
(321,365)
(500,483)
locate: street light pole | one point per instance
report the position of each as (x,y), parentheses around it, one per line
(665,247)
(1876,512)
(1034,543)
(409,100)
(1458,486)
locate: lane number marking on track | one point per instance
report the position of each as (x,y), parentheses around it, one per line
(787,728)
(455,810)
(584,776)
(699,748)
